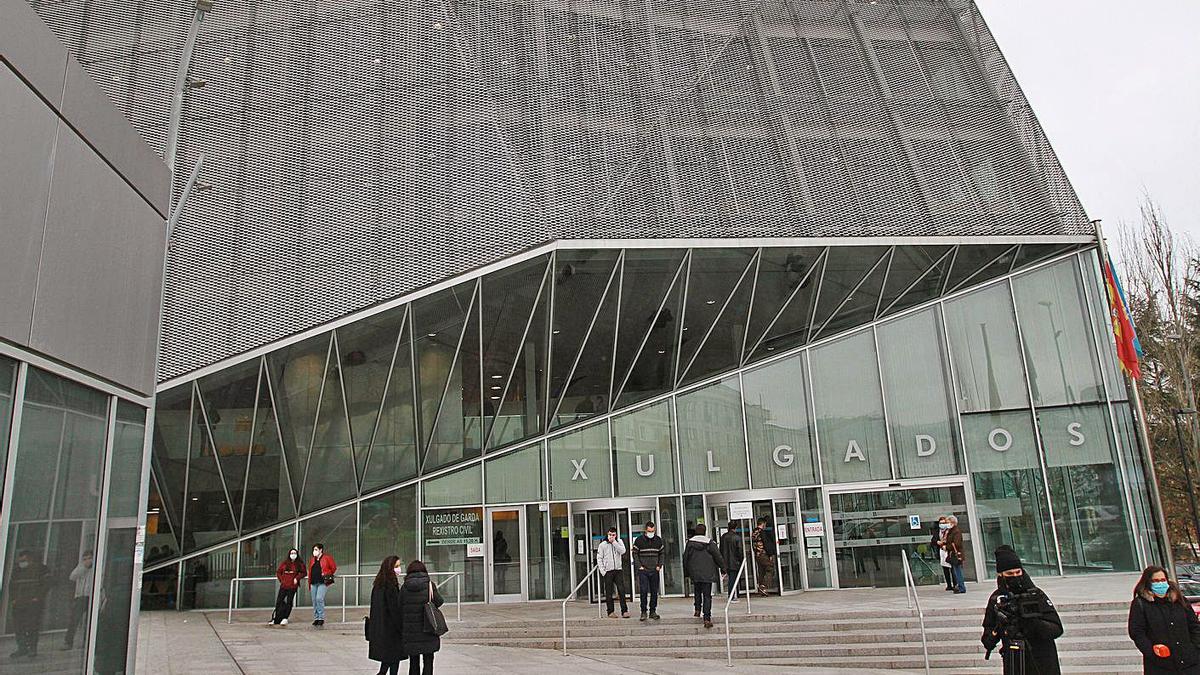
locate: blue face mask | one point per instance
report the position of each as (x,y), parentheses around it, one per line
(1159,588)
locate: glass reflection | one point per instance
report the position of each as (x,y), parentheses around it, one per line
(849,410)
(782,451)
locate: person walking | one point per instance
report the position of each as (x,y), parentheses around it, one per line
(84,577)
(703,564)
(939,543)
(385,625)
(609,556)
(764,556)
(1021,619)
(1163,625)
(955,554)
(27,603)
(289,573)
(733,555)
(321,568)
(419,645)
(648,556)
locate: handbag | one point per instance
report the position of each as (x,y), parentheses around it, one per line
(367,628)
(435,622)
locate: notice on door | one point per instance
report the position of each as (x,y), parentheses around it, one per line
(741,511)
(474,550)
(814,529)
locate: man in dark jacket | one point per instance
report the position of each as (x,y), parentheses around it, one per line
(648,556)
(732,554)
(703,564)
(27,595)
(1021,618)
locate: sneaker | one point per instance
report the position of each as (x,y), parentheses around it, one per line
(708,623)
(736,600)
(316,622)
(696,614)
(321,622)
(283,622)
(655,616)
(612,615)
(643,617)
(624,615)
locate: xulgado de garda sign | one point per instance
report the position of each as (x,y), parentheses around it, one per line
(453,527)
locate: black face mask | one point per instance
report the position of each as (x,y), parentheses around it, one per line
(1016,584)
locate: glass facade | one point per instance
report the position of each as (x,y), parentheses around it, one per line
(646,380)
(72,456)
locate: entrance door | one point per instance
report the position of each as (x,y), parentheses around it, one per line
(872,528)
(598,522)
(506,555)
(779,537)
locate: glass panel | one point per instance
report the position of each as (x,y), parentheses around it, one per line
(54,513)
(909,266)
(648,275)
(269,498)
(589,389)
(782,272)
(537,518)
(394,451)
(206,579)
(712,443)
(207,518)
(580,280)
(296,374)
(458,434)
(330,477)
(927,288)
(782,451)
(446,533)
(722,348)
(655,368)
(1135,469)
(560,550)
(812,512)
(261,556)
(1010,498)
(693,512)
(8,383)
(506,551)
(159,588)
(713,275)
(978,263)
(172,424)
(389,527)
(859,305)
(515,476)
(917,392)
(1059,347)
(365,350)
(161,542)
(644,451)
(845,268)
(1090,517)
(115,597)
(514,339)
(337,530)
(228,397)
(464,486)
(790,545)
(982,332)
(790,328)
(579,464)
(438,322)
(849,410)
(1098,302)
(125,473)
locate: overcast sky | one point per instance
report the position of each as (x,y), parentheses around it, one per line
(1116,86)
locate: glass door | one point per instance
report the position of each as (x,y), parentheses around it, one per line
(506,555)
(790,545)
(598,523)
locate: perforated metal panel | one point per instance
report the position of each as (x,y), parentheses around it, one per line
(360,150)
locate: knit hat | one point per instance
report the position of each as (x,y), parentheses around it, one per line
(1006,559)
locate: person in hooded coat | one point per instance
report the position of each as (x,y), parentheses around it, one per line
(1020,614)
(419,645)
(385,627)
(703,564)
(732,554)
(1163,625)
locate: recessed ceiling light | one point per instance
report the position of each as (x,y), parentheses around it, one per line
(555,332)
(710,302)
(662,351)
(495,398)
(497,377)
(495,386)
(432,334)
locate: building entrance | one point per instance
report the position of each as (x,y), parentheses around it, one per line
(591,528)
(506,557)
(775,565)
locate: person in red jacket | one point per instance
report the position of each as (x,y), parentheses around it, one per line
(290,572)
(321,568)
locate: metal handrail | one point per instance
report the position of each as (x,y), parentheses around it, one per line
(570,597)
(233,584)
(913,598)
(728,601)
(457,576)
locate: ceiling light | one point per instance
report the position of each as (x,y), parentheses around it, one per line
(555,332)
(662,351)
(432,334)
(495,386)
(495,398)
(497,377)
(710,302)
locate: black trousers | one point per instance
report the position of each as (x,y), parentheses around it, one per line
(284,601)
(414,664)
(79,608)
(946,572)
(703,591)
(610,579)
(648,589)
(392,668)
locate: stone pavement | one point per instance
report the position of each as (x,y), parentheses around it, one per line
(202,642)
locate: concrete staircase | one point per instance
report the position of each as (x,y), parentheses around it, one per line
(1095,640)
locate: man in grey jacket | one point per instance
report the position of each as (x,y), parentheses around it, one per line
(648,557)
(608,557)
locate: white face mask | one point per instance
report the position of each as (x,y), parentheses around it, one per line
(316,552)
(650,535)
(293,556)
(399,571)
(23,564)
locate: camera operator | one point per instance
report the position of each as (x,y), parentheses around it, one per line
(1021,619)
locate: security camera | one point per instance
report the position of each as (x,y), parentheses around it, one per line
(195,82)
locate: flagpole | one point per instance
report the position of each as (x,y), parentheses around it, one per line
(1143,435)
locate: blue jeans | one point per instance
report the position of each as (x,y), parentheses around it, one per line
(960,586)
(648,587)
(318,598)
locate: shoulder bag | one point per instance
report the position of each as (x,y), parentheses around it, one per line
(435,622)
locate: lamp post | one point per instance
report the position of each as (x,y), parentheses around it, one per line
(1187,472)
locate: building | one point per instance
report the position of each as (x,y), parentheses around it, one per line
(475,281)
(83,202)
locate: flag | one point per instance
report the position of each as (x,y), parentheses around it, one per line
(1129,350)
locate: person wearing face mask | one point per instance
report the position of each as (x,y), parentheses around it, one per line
(321,568)
(290,573)
(956,553)
(27,603)
(1163,625)
(609,556)
(384,628)
(648,556)
(1020,619)
(939,542)
(84,579)
(419,644)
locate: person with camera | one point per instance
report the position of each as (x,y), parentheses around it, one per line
(1163,625)
(1021,619)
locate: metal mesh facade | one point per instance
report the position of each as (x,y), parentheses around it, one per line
(361,150)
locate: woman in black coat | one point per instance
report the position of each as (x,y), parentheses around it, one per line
(384,629)
(1163,625)
(419,645)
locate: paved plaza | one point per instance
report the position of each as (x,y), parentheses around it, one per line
(202,642)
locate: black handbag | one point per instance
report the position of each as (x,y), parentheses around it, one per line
(367,628)
(435,622)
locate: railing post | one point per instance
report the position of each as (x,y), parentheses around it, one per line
(458,595)
(229,618)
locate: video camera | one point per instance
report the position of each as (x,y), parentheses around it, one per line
(1011,609)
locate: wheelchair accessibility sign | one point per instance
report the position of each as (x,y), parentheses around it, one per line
(914,522)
